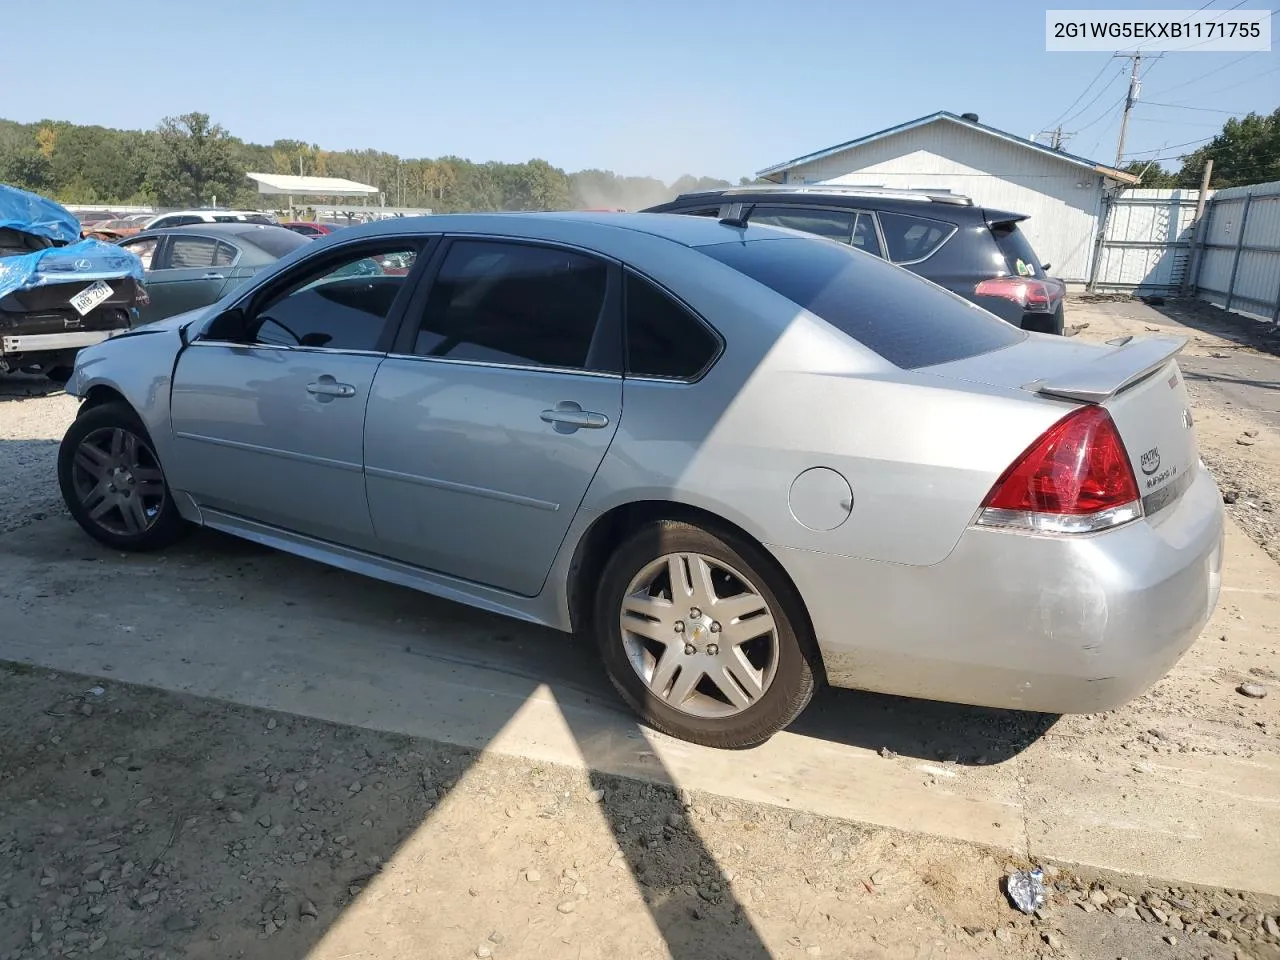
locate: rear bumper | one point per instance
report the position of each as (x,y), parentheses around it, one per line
(1053,624)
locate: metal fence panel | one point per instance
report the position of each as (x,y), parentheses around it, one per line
(1237,251)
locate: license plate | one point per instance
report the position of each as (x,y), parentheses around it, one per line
(92,295)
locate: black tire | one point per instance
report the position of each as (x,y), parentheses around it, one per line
(59,375)
(797,668)
(160,524)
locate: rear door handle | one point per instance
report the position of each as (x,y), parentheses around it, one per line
(214,276)
(571,415)
(331,388)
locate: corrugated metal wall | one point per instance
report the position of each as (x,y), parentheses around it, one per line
(1238,251)
(1147,246)
(1062,199)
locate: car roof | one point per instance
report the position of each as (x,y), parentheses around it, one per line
(686,230)
(936,202)
(218,230)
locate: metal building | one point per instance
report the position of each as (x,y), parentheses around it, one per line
(1061,193)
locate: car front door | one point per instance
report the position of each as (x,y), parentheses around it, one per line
(146,249)
(488,422)
(268,419)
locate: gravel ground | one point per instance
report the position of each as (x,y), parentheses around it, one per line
(143,824)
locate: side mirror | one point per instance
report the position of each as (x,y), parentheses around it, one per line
(228,325)
(1046,267)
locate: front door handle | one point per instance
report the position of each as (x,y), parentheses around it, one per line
(328,387)
(570,416)
(214,276)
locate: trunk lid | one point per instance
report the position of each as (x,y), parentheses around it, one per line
(1137,381)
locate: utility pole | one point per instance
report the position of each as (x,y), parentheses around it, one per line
(1057,137)
(1204,188)
(1135,85)
(1199,234)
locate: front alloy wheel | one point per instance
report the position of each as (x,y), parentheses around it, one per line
(112,481)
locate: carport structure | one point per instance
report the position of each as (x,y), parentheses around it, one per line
(292,185)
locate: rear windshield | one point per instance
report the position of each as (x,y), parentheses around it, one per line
(276,242)
(904,318)
(1015,247)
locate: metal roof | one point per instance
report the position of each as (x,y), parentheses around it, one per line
(283,183)
(1106,171)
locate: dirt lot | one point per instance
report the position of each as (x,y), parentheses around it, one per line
(136,821)
(139,823)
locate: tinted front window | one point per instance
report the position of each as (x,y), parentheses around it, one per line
(330,309)
(663,338)
(275,242)
(832,224)
(1015,247)
(513,303)
(144,250)
(908,321)
(913,238)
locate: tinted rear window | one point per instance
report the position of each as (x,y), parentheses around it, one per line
(907,320)
(275,241)
(1013,243)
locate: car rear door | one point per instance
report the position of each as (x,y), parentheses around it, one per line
(269,421)
(487,423)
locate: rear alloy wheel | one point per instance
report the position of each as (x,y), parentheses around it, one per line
(698,632)
(112,481)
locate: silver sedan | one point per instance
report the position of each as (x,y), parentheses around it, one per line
(744,460)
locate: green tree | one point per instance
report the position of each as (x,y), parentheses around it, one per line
(1153,175)
(1246,151)
(194,160)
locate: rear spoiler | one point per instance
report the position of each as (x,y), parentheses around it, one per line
(1132,360)
(1002,218)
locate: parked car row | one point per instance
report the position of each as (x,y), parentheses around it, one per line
(744,459)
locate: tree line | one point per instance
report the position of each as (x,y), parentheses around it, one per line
(1246,151)
(189,160)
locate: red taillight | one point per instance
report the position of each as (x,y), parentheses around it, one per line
(1075,479)
(1037,296)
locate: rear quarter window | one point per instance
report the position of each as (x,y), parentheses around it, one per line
(905,319)
(911,239)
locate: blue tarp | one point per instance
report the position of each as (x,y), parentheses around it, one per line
(32,213)
(81,260)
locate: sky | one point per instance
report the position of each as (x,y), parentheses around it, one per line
(660,88)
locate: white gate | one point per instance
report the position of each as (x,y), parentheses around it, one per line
(1146,248)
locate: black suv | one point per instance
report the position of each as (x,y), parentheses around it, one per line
(978,253)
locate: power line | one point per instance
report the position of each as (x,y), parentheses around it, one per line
(1170,146)
(1186,22)
(1098,96)
(1238,83)
(1089,86)
(1179,106)
(1185,83)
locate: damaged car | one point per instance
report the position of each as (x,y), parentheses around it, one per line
(58,293)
